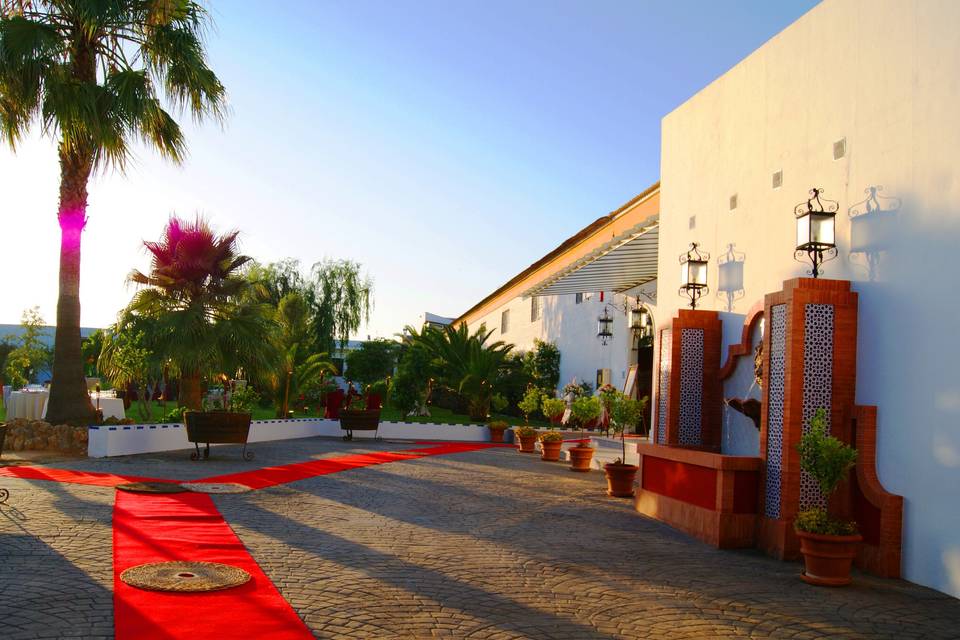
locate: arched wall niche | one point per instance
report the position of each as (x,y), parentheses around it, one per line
(742,394)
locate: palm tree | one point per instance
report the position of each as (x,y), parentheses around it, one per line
(92,74)
(466,362)
(204,319)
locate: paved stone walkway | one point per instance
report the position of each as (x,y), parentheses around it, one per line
(486,544)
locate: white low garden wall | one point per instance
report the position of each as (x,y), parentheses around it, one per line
(124,440)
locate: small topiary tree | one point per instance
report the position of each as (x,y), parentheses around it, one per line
(553,407)
(829,461)
(531,402)
(585,409)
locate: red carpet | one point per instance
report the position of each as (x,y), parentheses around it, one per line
(272,476)
(73,477)
(187,526)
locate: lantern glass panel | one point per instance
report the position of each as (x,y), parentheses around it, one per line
(803,230)
(698,272)
(822,229)
(636,319)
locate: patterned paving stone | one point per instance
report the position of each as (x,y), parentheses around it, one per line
(486,544)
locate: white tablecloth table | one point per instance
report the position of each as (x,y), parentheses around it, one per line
(110,406)
(31,405)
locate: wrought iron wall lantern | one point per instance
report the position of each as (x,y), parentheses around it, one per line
(816,230)
(604,324)
(640,321)
(693,274)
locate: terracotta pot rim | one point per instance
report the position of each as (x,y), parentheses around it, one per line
(620,467)
(828,538)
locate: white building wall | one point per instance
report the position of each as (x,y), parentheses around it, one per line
(885,76)
(573,327)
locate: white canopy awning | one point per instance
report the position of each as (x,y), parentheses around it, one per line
(626,261)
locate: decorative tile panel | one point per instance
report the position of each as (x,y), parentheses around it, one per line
(691,386)
(775,395)
(817,384)
(663,400)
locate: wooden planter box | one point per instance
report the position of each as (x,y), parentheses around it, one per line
(359,420)
(217,427)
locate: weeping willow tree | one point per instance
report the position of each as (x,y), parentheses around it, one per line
(96,75)
(342,301)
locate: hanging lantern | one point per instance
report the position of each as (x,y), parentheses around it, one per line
(816,231)
(604,325)
(693,274)
(640,321)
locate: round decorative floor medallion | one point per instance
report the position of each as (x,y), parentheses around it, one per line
(184,576)
(216,487)
(151,487)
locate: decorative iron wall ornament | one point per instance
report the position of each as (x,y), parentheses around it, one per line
(816,230)
(693,274)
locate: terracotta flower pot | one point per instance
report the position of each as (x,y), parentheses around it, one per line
(620,479)
(827,559)
(580,458)
(527,443)
(496,435)
(550,451)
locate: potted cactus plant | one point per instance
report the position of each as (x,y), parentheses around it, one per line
(584,410)
(550,443)
(526,437)
(624,412)
(497,427)
(828,545)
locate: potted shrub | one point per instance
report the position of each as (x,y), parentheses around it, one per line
(222,426)
(828,545)
(584,410)
(550,443)
(526,437)
(497,427)
(553,408)
(624,412)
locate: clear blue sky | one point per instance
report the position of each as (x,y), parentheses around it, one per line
(444,145)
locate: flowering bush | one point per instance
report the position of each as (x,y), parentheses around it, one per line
(608,395)
(551,436)
(578,389)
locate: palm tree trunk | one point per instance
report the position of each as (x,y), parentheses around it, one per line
(190,396)
(69,401)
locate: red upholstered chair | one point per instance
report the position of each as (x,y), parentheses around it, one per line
(373,402)
(334,402)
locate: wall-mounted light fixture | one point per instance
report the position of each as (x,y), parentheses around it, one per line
(693,274)
(816,230)
(640,321)
(604,324)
